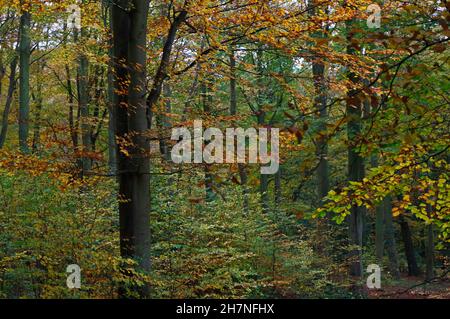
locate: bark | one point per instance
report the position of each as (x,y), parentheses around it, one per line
(2,75)
(161,73)
(83,105)
(133,118)
(261,117)
(24,80)
(71,103)
(112,143)
(233,112)
(355,166)
(164,123)
(390,239)
(9,99)
(320,104)
(233,84)
(129,24)
(413,268)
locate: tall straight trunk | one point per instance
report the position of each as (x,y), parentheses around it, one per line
(413,268)
(129,21)
(233,83)
(323,183)
(320,104)
(355,220)
(355,165)
(112,143)
(83,104)
(233,112)
(70,100)
(261,118)
(391,246)
(2,75)
(9,99)
(24,80)
(133,118)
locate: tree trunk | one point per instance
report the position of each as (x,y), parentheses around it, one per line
(133,118)
(24,82)
(320,104)
(390,239)
(2,75)
(83,105)
(233,112)
(261,117)
(9,99)
(355,165)
(129,21)
(164,123)
(413,269)
(112,143)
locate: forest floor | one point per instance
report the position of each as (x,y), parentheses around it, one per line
(414,288)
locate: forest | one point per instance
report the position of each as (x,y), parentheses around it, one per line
(224,149)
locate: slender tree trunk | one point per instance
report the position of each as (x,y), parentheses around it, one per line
(112,143)
(2,75)
(320,104)
(70,99)
(164,123)
(83,105)
(24,81)
(390,239)
(233,83)
(233,112)
(355,166)
(9,99)
(261,117)
(413,268)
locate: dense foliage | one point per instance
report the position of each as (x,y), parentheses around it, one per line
(364,119)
